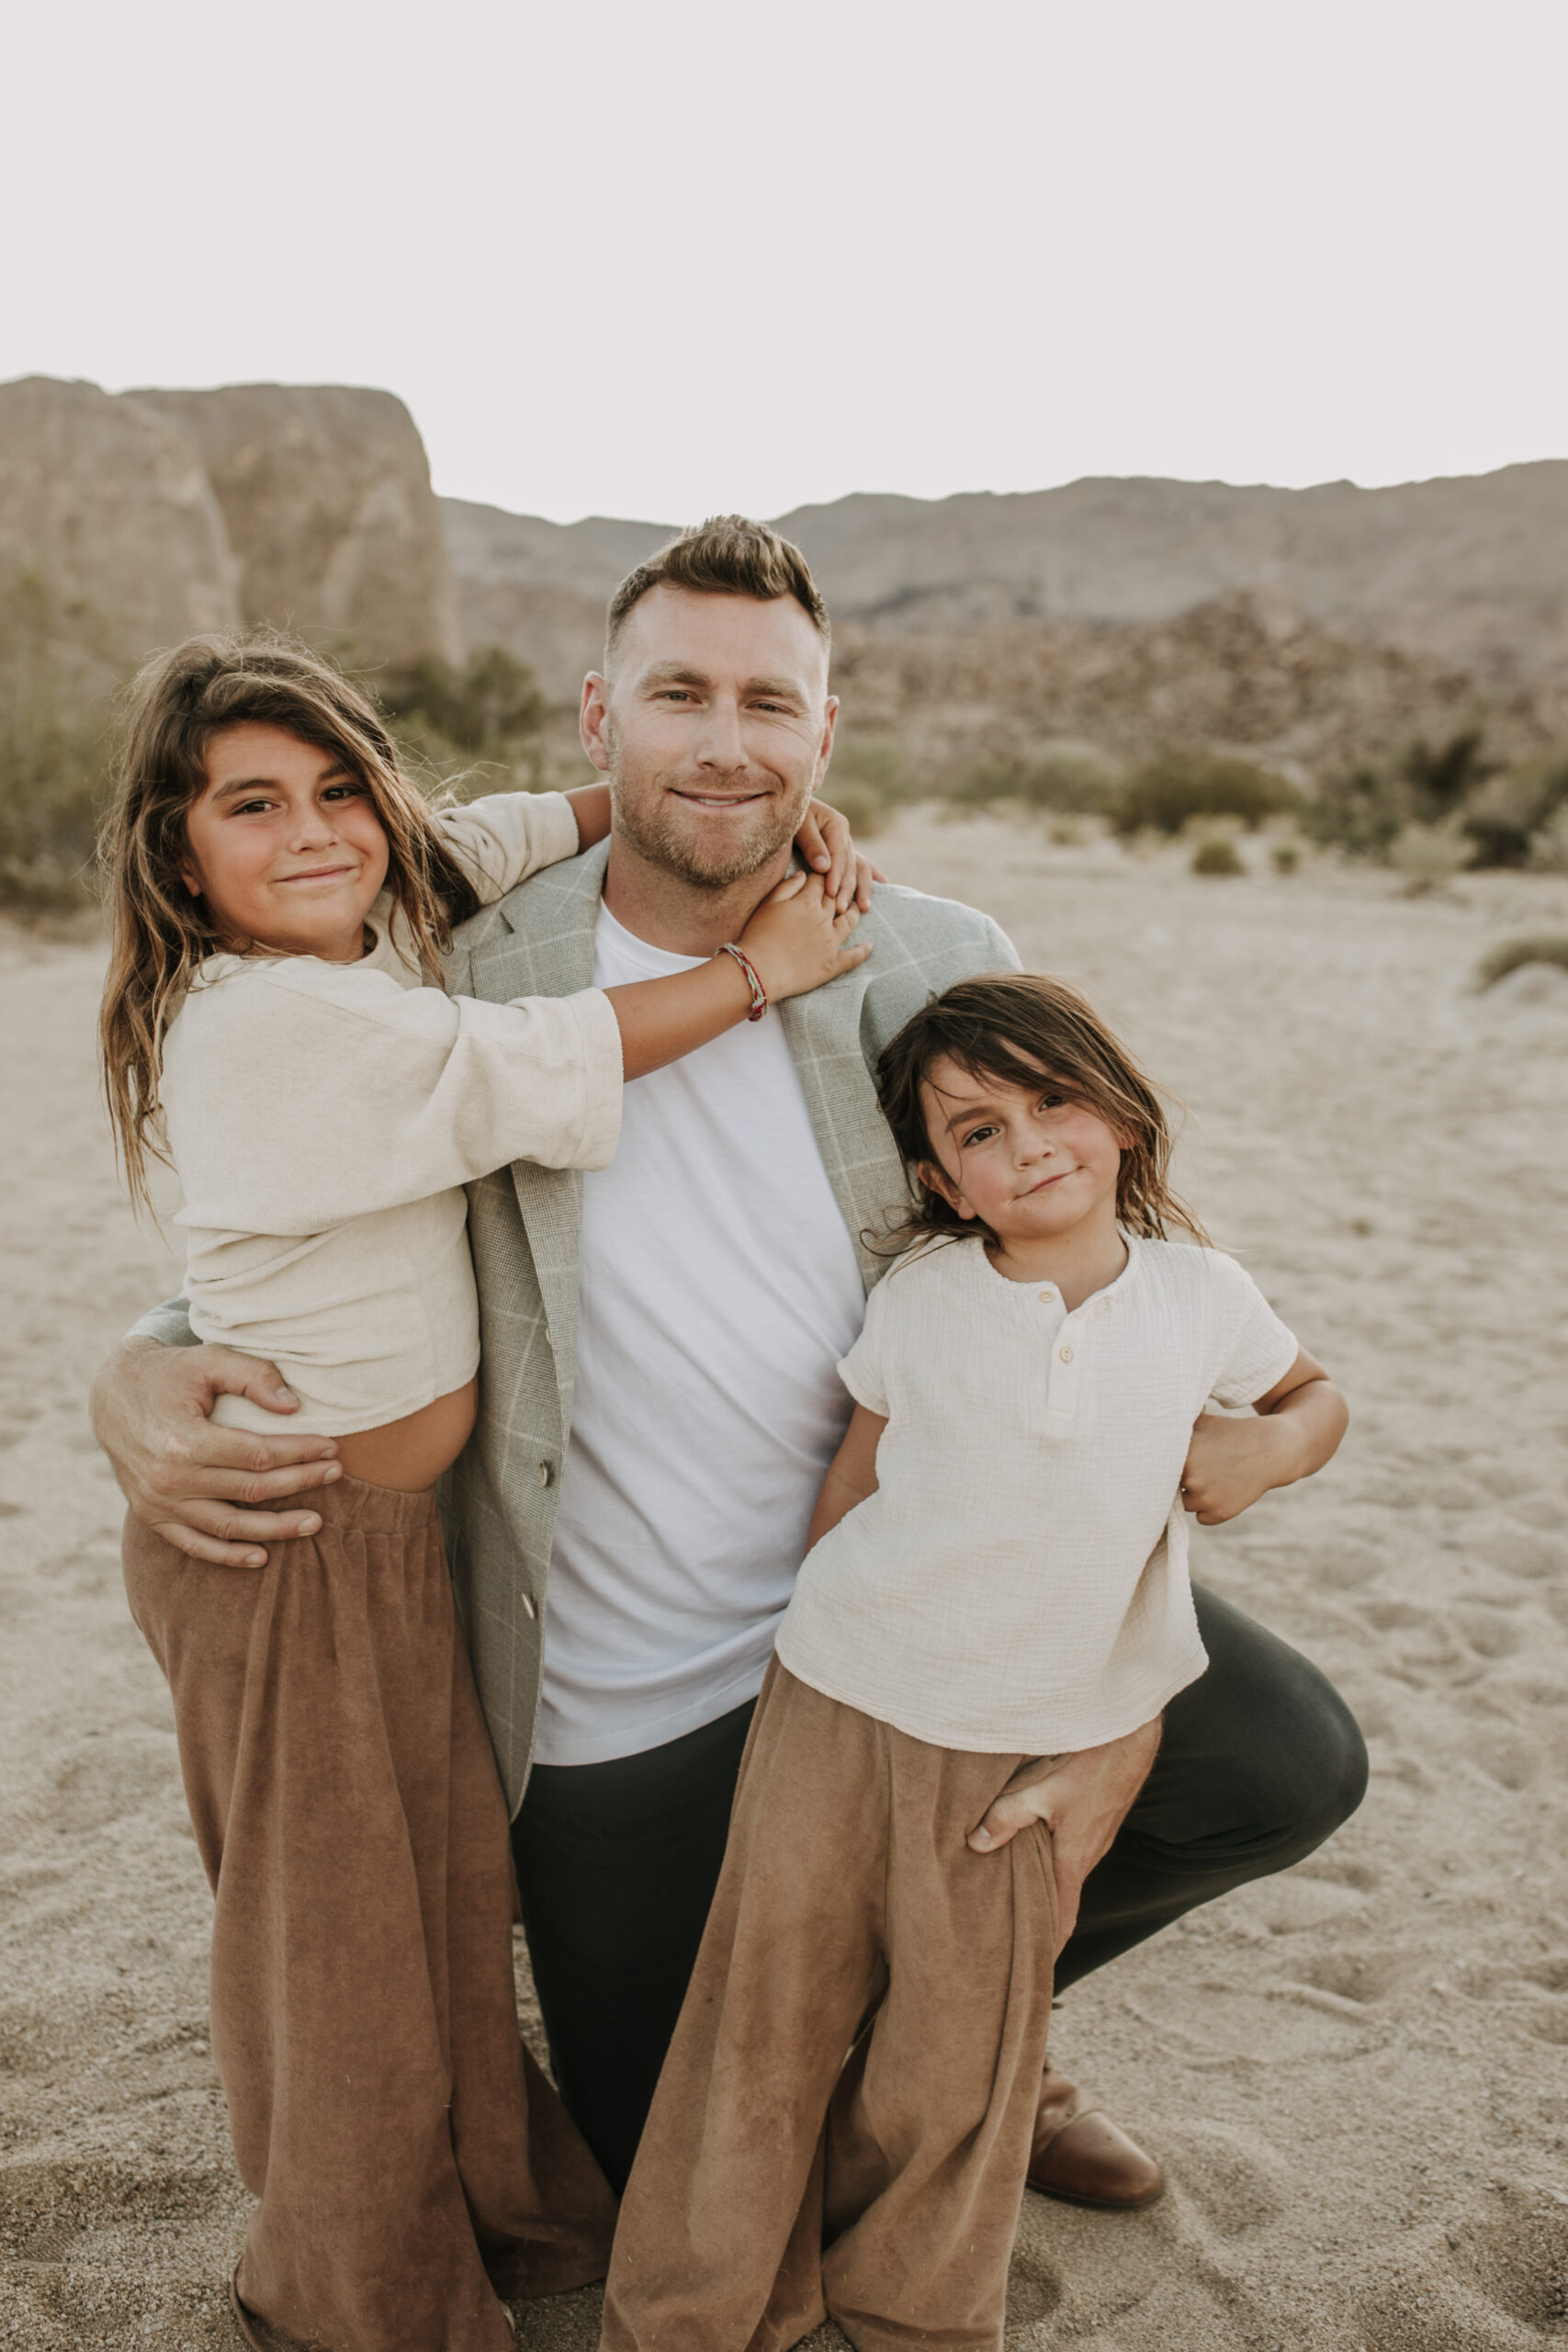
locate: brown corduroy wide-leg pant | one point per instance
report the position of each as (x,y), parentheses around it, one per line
(409,2157)
(844,2120)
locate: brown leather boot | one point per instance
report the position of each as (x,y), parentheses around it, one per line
(1082,2157)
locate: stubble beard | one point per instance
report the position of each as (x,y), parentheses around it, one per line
(658,836)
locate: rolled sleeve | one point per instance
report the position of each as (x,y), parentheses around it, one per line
(501,839)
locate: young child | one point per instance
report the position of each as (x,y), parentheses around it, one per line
(280,895)
(997,1574)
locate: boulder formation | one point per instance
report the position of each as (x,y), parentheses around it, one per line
(128,521)
(325,490)
(109,529)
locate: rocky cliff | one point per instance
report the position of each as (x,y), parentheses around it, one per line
(109,527)
(139,517)
(325,490)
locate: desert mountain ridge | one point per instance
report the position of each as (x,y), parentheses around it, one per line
(1471,571)
(1301,625)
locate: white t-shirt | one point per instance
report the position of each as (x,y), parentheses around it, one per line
(717,1288)
(1018,1581)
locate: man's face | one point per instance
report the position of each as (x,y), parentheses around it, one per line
(713,730)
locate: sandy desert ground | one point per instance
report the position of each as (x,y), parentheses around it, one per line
(1358,2072)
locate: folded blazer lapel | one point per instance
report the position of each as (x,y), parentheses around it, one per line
(858,1152)
(542,945)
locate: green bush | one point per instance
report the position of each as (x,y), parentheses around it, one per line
(1215,855)
(1500,814)
(1429,855)
(1442,778)
(1513,815)
(51,752)
(1551,948)
(490,710)
(868,779)
(1169,793)
(866,810)
(1362,812)
(1065,780)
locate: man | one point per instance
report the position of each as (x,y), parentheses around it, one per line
(658,1399)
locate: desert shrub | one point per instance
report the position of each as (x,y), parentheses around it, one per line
(1445,791)
(866,810)
(1167,794)
(489,710)
(1510,813)
(1216,854)
(1549,844)
(1362,811)
(1429,855)
(51,752)
(868,779)
(1443,777)
(1552,948)
(1064,779)
(1286,857)
(1493,842)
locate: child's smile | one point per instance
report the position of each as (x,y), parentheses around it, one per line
(1037,1167)
(285,845)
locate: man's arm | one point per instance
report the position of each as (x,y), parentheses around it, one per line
(204,1489)
(1083,1800)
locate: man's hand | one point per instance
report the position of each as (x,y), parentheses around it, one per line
(1083,1799)
(204,1489)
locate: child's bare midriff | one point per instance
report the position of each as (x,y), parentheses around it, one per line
(412,1453)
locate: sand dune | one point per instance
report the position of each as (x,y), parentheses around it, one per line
(1358,2074)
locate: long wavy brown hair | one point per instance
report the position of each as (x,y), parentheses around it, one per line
(1018,1027)
(161,934)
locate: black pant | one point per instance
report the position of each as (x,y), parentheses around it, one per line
(1261,1760)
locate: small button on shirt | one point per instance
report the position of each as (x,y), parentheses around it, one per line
(1018,1581)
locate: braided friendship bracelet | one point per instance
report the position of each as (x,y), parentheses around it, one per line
(759,993)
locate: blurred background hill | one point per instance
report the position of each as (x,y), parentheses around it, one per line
(1389,666)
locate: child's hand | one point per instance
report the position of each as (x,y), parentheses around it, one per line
(1230,1462)
(797,938)
(824,842)
(1291,1432)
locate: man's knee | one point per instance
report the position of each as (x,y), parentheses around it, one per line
(1330,1775)
(1285,1729)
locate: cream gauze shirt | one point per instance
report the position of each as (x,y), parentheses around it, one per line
(1018,1580)
(323,1119)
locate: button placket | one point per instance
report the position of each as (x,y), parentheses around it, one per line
(1066,1349)
(1061,1391)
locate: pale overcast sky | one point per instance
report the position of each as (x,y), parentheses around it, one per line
(656,259)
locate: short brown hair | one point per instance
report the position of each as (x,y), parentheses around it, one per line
(726,556)
(1013,1025)
(179,702)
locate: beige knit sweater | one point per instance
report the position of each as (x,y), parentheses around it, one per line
(323,1119)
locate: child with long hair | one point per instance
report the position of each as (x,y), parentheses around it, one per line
(997,1576)
(273,1023)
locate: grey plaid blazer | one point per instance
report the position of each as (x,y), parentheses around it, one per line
(524,1223)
